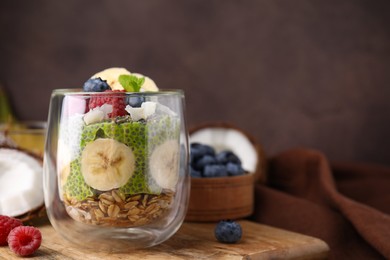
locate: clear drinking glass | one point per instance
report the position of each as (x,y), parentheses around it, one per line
(116,183)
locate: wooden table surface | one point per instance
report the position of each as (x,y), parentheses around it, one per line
(194,241)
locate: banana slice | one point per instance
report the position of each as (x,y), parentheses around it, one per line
(148,85)
(164,164)
(107,164)
(111,75)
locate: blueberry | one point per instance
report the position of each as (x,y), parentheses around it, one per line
(95,85)
(135,101)
(194,173)
(198,150)
(227,156)
(203,161)
(234,169)
(215,170)
(193,157)
(228,231)
(203,148)
(195,153)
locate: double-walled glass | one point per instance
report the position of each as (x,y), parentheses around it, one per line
(116,180)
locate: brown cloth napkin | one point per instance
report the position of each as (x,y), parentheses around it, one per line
(346,205)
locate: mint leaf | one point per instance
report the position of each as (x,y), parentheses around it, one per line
(141,82)
(125,82)
(131,83)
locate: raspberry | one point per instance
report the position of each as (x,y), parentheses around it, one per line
(6,225)
(112,97)
(24,240)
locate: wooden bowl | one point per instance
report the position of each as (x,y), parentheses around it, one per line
(215,199)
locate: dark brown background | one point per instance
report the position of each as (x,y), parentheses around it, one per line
(293,73)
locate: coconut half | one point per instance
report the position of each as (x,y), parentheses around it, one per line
(224,136)
(21,186)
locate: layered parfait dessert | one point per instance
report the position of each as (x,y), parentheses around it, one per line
(118,159)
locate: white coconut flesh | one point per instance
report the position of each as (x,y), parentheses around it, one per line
(229,139)
(21,188)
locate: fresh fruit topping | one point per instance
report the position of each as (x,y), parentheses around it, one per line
(135,101)
(97,114)
(131,83)
(228,231)
(146,110)
(111,76)
(164,164)
(95,85)
(24,240)
(116,98)
(148,85)
(122,79)
(107,164)
(21,185)
(6,225)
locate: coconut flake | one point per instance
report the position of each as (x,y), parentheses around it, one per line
(107,109)
(149,108)
(146,110)
(97,114)
(136,113)
(93,116)
(21,188)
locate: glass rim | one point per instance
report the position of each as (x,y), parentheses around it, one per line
(80,92)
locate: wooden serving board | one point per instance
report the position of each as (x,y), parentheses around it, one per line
(194,241)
